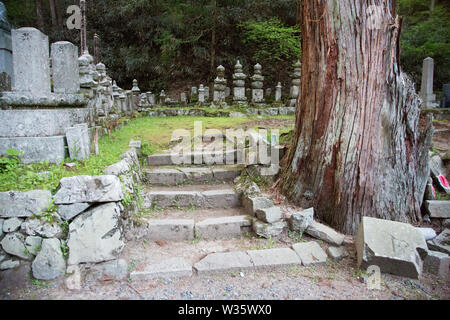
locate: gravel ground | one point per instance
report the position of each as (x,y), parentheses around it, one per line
(333,281)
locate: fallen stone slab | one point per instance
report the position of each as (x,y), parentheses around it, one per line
(170,230)
(395,247)
(269,215)
(24,204)
(174,199)
(437,263)
(274,258)
(253,203)
(221,199)
(337,253)
(268,230)
(96,235)
(300,221)
(441,242)
(49,263)
(170,268)
(325,233)
(107,188)
(438,209)
(310,253)
(223,262)
(223,228)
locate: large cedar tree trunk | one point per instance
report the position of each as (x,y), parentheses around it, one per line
(357,149)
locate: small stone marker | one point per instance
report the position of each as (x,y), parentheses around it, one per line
(78,142)
(426,88)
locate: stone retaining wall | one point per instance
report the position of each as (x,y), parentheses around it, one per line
(82,223)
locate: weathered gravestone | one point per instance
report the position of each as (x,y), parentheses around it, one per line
(65,67)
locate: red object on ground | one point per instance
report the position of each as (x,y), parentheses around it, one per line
(444,181)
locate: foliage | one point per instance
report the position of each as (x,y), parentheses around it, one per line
(271,43)
(425,33)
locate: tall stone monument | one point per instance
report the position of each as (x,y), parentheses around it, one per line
(239,85)
(31,61)
(426,89)
(257,85)
(65,67)
(6,59)
(295,88)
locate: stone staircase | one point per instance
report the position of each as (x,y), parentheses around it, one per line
(197,203)
(190,188)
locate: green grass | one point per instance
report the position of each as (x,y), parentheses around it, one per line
(155,134)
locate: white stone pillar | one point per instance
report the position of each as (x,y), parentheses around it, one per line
(426,89)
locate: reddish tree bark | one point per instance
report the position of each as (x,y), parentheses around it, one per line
(357,148)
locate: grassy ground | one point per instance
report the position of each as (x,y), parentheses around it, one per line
(155,134)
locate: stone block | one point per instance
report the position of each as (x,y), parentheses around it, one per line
(170,268)
(36,149)
(437,263)
(269,215)
(397,248)
(223,228)
(438,209)
(223,262)
(221,199)
(274,258)
(325,233)
(310,253)
(170,230)
(24,204)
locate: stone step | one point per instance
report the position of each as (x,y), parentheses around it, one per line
(235,261)
(170,268)
(189,158)
(177,176)
(208,229)
(223,227)
(215,198)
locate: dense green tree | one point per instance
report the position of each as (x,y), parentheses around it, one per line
(426,33)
